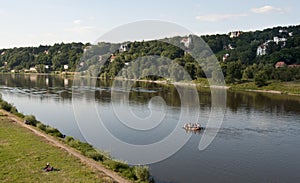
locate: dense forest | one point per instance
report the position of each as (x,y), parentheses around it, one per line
(270,54)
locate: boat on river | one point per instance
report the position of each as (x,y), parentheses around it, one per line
(192,126)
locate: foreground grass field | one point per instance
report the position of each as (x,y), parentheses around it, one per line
(23,156)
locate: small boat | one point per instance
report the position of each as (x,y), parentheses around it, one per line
(192,126)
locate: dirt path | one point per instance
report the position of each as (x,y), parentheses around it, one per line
(89,162)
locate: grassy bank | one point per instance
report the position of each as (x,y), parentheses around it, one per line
(272,87)
(134,173)
(23,155)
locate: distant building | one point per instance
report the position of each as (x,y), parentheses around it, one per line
(112,58)
(186,41)
(46,52)
(294,65)
(32,69)
(280,64)
(66,67)
(123,47)
(86,48)
(3,53)
(225,57)
(234,34)
(261,50)
(277,39)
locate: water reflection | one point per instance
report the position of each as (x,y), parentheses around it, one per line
(61,87)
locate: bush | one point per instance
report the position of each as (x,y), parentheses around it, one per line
(30,120)
(69,139)
(53,131)
(129,173)
(260,79)
(41,126)
(142,173)
(116,165)
(97,156)
(5,105)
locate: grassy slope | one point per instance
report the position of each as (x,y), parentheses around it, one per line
(23,155)
(283,87)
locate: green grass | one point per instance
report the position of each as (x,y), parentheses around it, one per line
(283,87)
(23,155)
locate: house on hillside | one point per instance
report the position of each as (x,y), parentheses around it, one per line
(123,47)
(225,57)
(294,65)
(66,67)
(278,39)
(234,34)
(280,64)
(186,41)
(261,50)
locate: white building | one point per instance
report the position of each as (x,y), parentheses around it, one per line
(277,40)
(261,50)
(186,41)
(234,34)
(66,67)
(123,48)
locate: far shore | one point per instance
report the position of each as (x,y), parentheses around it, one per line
(204,84)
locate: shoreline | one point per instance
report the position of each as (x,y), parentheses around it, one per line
(52,141)
(233,87)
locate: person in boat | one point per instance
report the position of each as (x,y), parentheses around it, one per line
(48,168)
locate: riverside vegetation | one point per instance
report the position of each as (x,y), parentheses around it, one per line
(238,57)
(134,173)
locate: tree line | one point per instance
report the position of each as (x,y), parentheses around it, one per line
(241,63)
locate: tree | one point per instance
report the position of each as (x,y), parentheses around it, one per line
(260,79)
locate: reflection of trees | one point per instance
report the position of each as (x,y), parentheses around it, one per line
(142,92)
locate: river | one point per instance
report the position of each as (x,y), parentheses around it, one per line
(258,140)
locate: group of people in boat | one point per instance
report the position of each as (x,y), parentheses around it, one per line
(192,126)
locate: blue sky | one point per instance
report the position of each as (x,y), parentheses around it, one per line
(35,22)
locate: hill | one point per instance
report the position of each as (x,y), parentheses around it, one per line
(270,54)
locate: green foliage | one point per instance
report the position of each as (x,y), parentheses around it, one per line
(142,173)
(260,79)
(30,120)
(5,105)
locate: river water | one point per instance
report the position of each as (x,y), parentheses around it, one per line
(258,141)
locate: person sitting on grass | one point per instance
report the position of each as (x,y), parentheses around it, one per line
(48,168)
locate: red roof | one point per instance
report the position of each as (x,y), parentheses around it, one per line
(280,64)
(294,65)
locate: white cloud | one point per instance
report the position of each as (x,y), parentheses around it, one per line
(77,21)
(267,9)
(219,17)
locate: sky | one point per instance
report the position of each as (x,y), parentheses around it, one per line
(40,22)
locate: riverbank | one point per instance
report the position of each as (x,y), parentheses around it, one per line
(274,87)
(89,156)
(24,154)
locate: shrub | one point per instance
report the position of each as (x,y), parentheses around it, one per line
(41,126)
(6,106)
(69,139)
(30,119)
(53,131)
(116,165)
(129,173)
(97,156)
(142,173)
